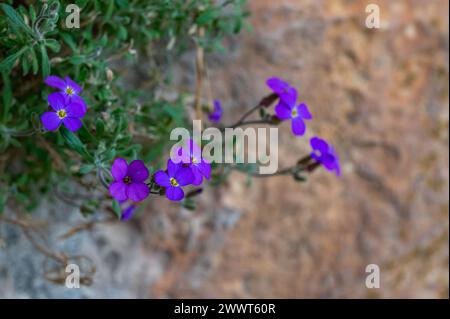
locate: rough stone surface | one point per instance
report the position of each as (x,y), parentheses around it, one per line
(381,96)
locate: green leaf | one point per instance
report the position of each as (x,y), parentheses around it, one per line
(25,65)
(116,209)
(53,45)
(86,168)
(69,41)
(99,127)
(189,204)
(86,135)
(109,155)
(9,61)
(74,143)
(298,177)
(32,14)
(45,65)
(206,17)
(77,59)
(122,4)
(109,11)
(7,94)
(34,61)
(15,18)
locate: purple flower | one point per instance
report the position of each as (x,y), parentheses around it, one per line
(216,115)
(287,109)
(191,156)
(277,85)
(324,153)
(68,113)
(69,89)
(129,180)
(177,176)
(128,212)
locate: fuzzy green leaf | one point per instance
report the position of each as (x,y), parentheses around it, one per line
(45,62)
(74,143)
(9,61)
(15,18)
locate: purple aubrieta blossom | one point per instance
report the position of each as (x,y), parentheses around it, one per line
(287,109)
(216,114)
(70,89)
(128,212)
(176,176)
(191,156)
(325,154)
(277,85)
(129,180)
(68,113)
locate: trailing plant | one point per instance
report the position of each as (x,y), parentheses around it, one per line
(35,43)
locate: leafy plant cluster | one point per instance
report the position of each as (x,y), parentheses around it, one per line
(131,123)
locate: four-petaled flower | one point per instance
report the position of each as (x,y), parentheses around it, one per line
(191,156)
(176,176)
(129,180)
(68,113)
(216,114)
(287,109)
(69,89)
(325,154)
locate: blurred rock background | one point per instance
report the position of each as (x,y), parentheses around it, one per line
(381,97)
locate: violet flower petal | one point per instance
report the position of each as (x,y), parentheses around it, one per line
(174,193)
(137,171)
(298,126)
(172,168)
(137,191)
(283,111)
(162,179)
(118,190)
(289,97)
(128,212)
(325,154)
(198,177)
(303,111)
(195,150)
(56,82)
(319,144)
(72,123)
(79,100)
(205,169)
(119,169)
(277,85)
(183,155)
(74,110)
(184,176)
(56,101)
(217,113)
(50,120)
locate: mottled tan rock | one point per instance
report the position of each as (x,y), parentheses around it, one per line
(381,96)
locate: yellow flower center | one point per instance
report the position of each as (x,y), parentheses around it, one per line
(173,182)
(61,114)
(294,112)
(193,160)
(127,180)
(69,91)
